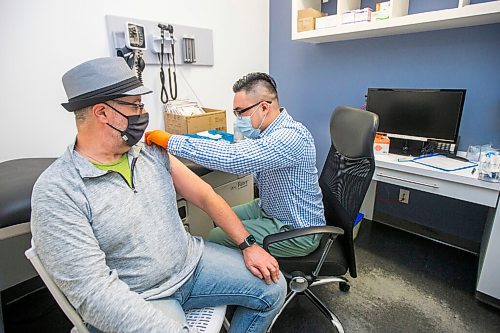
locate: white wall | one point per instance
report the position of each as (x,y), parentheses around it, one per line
(43,39)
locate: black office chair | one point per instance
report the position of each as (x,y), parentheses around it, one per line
(344,181)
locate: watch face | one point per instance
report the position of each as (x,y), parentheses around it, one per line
(251,240)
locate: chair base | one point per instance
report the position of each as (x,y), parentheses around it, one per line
(316,301)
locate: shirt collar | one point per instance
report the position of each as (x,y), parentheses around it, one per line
(276,123)
(86,169)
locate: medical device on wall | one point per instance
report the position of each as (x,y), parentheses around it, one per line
(135,36)
(196,44)
(170,63)
(135,43)
(142,42)
(189,50)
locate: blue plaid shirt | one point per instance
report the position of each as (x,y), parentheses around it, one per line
(282,160)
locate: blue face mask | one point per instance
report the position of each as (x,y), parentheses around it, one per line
(244,125)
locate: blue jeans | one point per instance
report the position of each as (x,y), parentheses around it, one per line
(221,277)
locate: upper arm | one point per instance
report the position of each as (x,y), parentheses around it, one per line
(188,184)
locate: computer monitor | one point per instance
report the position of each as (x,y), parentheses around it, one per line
(418,114)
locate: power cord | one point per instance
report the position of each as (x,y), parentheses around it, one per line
(140,65)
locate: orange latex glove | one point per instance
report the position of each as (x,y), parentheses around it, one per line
(158,137)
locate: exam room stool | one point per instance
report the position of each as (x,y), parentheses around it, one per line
(17,178)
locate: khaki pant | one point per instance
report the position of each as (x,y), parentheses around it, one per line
(260,225)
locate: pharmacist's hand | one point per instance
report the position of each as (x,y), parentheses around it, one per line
(261,264)
(157,137)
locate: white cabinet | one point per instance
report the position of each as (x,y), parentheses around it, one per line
(464,15)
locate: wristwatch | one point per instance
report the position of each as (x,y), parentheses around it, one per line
(249,241)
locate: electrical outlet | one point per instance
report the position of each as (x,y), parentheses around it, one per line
(404,196)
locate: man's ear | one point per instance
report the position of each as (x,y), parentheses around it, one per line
(266,107)
(99,112)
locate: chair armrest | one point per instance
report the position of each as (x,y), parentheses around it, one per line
(281,236)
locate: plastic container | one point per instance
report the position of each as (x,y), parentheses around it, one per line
(489,165)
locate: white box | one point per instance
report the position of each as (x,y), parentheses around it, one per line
(363,15)
(348,17)
(383,6)
(326,21)
(380,15)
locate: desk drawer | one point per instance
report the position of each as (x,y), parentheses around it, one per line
(482,196)
(455,222)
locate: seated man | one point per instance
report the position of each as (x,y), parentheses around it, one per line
(280,153)
(106,227)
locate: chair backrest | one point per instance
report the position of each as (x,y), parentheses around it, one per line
(61,300)
(347,172)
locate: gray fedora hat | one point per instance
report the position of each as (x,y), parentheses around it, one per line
(98,81)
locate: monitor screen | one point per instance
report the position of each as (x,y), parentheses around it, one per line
(419,114)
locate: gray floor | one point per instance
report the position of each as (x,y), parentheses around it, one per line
(405,284)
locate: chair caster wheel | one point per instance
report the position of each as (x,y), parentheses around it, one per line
(344,286)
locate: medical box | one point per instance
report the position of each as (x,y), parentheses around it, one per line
(326,21)
(382,11)
(363,15)
(383,6)
(381,144)
(178,124)
(306,19)
(348,17)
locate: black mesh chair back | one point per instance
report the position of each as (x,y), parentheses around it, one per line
(344,180)
(348,171)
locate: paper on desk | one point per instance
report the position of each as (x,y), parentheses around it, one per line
(443,163)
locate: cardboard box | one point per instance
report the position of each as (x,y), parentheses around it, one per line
(309,12)
(305,24)
(212,119)
(326,21)
(381,144)
(306,19)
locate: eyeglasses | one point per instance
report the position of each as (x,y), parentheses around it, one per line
(238,113)
(139,106)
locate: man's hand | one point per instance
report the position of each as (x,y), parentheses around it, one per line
(158,137)
(261,264)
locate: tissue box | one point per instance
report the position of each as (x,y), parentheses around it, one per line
(363,15)
(348,17)
(381,144)
(326,21)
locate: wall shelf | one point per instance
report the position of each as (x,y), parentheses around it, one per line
(463,16)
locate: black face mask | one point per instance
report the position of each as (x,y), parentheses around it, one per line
(135,129)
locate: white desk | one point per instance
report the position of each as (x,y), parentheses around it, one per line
(460,185)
